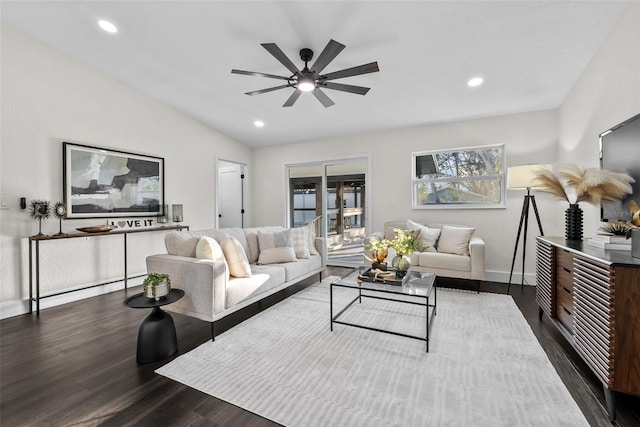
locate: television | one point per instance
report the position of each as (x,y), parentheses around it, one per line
(620,152)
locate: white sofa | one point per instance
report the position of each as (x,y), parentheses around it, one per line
(210,293)
(468,264)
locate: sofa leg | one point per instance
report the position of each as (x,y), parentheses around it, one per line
(478,286)
(213,331)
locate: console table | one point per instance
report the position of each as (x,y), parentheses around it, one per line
(43,238)
(593,297)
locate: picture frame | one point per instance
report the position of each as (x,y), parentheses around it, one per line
(105,183)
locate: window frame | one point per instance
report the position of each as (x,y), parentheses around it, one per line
(461,205)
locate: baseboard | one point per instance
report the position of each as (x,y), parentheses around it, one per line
(503,277)
(17,308)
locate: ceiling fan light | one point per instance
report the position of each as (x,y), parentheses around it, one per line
(306,84)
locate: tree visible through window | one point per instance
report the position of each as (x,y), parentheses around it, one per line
(467,177)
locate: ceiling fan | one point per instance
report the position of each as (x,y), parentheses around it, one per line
(310,79)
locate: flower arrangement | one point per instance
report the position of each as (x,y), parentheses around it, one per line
(407,242)
(379,248)
(590,185)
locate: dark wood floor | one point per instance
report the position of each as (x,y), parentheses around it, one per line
(76,366)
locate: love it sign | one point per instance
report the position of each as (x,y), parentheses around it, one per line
(132,223)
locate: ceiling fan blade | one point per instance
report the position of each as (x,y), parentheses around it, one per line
(254,73)
(360,90)
(323,98)
(274,50)
(353,71)
(330,51)
(293,98)
(258,92)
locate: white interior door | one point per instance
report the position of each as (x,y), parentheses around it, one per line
(230,194)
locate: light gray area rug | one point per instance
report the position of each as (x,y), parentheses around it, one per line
(484,366)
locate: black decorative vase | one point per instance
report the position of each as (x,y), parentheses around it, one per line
(573,222)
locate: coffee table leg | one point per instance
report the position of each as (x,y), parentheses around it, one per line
(331,307)
(157,338)
(427,315)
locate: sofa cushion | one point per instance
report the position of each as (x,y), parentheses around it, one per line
(428,236)
(276,247)
(300,237)
(239,288)
(181,244)
(236,257)
(209,248)
(455,240)
(443,261)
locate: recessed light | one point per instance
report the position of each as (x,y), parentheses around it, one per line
(258,123)
(107,26)
(476,81)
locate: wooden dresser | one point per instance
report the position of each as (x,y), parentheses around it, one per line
(593,296)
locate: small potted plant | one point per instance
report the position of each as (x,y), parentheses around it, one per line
(156,285)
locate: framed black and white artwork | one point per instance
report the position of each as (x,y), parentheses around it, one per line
(104,183)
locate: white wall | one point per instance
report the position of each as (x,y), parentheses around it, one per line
(47,98)
(607,93)
(528,138)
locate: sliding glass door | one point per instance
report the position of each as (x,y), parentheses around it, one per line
(333,194)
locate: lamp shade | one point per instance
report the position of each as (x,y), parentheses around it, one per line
(523,177)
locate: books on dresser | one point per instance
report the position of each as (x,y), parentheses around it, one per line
(610,242)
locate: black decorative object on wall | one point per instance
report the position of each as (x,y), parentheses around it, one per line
(105,183)
(573,222)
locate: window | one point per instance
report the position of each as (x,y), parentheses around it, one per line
(459,178)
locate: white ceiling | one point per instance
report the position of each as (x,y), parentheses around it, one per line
(530,54)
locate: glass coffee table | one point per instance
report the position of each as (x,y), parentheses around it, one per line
(419,287)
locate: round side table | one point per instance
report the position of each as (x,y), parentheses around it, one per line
(157,338)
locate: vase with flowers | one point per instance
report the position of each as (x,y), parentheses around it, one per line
(575,185)
(379,249)
(405,243)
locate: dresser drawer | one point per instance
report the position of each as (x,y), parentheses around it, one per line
(564,279)
(565,314)
(564,259)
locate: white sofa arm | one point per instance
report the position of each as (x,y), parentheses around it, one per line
(203,281)
(476,251)
(321,246)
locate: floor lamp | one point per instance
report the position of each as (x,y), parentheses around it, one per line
(523,178)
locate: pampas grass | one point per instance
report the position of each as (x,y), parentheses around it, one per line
(589,185)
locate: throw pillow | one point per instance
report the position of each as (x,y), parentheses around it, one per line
(236,257)
(311,228)
(276,247)
(300,236)
(428,236)
(455,240)
(181,243)
(209,248)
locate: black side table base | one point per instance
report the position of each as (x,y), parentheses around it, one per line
(157,338)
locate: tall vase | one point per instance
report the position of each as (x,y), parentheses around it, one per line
(401,264)
(573,222)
